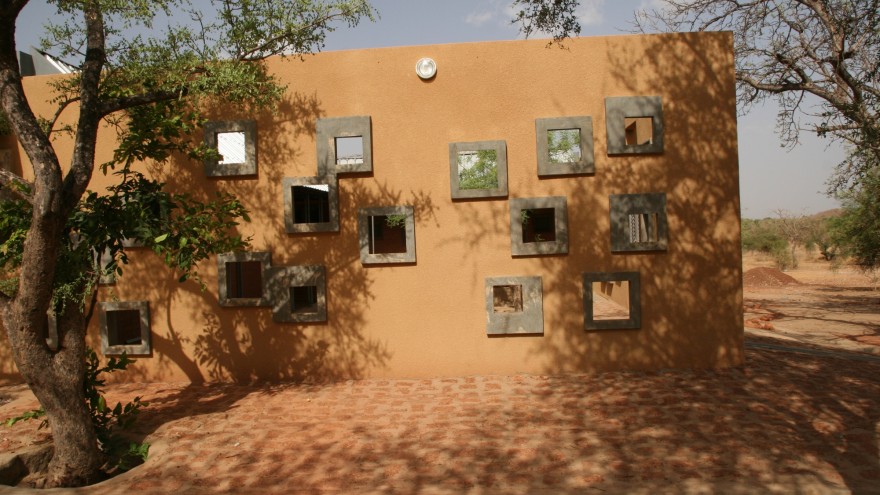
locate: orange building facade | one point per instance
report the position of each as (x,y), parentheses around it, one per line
(526,209)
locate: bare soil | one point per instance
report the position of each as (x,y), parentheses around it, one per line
(812,304)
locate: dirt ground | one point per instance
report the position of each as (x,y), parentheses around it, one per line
(812,304)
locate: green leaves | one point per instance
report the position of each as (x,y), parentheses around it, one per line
(121,454)
(27,416)
(857,230)
(180,229)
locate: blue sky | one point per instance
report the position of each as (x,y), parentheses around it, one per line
(771,177)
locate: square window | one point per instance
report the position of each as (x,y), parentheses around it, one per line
(538,226)
(612,301)
(478,169)
(242,278)
(125,327)
(507,299)
(344,145)
(565,146)
(514,305)
(298,293)
(235,142)
(231,147)
(350,150)
(638,131)
(634,124)
(643,228)
(387,235)
(304,299)
(638,222)
(311,204)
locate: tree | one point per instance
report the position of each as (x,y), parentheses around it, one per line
(799,52)
(558,18)
(152,89)
(795,229)
(856,230)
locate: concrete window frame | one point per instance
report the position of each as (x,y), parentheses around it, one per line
(500,148)
(143,308)
(364,215)
(529,321)
(265,260)
(635,312)
(585,165)
(103,259)
(328,129)
(282,279)
(624,205)
(249,167)
(287,184)
(560,213)
(620,108)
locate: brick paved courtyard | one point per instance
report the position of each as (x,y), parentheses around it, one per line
(793,420)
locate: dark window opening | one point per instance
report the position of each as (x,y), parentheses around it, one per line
(311,204)
(124,327)
(539,225)
(387,234)
(244,280)
(304,299)
(507,299)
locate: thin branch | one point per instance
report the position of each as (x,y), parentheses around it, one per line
(109,106)
(258,53)
(58,113)
(16,185)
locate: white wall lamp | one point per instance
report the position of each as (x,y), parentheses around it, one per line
(426,68)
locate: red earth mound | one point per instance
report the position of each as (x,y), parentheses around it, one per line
(767,277)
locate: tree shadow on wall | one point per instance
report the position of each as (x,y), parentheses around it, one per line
(706,279)
(245,344)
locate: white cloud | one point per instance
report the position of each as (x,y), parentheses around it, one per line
(479,18)
(590,12)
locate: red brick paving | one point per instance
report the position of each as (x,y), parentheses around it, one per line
(785,423)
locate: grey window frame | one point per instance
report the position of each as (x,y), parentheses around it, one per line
(247,168)
(587,163)
(143,307)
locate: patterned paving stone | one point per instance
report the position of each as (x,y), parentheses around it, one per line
(785,423)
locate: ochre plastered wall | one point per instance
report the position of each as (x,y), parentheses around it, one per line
(429,319)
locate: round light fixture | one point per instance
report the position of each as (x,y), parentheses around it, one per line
(426,68)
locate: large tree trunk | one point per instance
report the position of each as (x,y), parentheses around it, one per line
(56,378)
